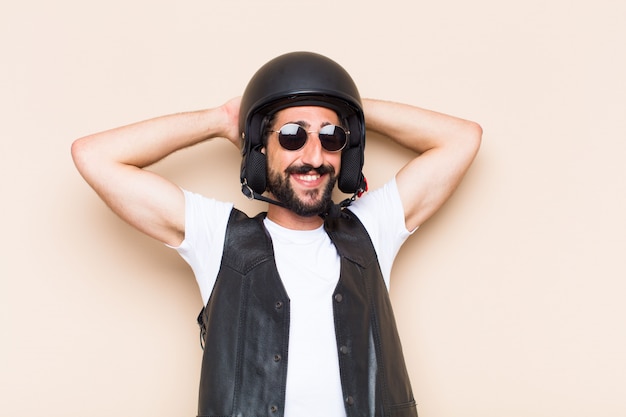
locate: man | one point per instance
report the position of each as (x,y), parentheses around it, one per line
(297,320)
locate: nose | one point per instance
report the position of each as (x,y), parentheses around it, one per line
(312,151)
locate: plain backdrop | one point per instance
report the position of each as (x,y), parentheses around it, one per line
(509,301)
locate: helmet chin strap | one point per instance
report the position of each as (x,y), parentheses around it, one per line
(332,210)
(253,195)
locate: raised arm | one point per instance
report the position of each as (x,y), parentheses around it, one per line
(112,163)
(445,147)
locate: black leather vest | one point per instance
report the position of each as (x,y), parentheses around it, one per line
(245,329)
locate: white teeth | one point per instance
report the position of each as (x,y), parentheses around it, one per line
(308,177)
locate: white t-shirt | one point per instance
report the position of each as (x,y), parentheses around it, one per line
(309,267)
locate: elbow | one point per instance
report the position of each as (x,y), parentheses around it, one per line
(80,151)
(474,136)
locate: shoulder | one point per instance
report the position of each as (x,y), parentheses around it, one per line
(205,219)
(381,209)
(201,208)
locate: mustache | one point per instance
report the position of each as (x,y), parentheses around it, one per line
(305,169)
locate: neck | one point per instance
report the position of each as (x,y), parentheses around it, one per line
(290,220)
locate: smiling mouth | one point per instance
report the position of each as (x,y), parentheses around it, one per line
(308,177)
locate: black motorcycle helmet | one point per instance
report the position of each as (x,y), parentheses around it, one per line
(300,79)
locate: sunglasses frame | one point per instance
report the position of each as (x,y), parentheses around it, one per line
(309,132)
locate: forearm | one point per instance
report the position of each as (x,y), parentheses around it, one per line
(144,143)
(415,128)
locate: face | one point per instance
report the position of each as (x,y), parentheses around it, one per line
(303,179)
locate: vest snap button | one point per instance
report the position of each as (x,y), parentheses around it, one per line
(350,401)
(279,305)
(277,358)
(338,298)
(344,349)
(273,409)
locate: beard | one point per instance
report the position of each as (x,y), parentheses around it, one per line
(318,199)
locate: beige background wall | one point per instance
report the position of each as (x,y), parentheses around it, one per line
(510,300)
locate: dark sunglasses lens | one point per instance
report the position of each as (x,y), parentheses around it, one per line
(292,136)
(333,138)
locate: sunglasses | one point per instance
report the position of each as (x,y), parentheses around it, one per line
(292,137)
